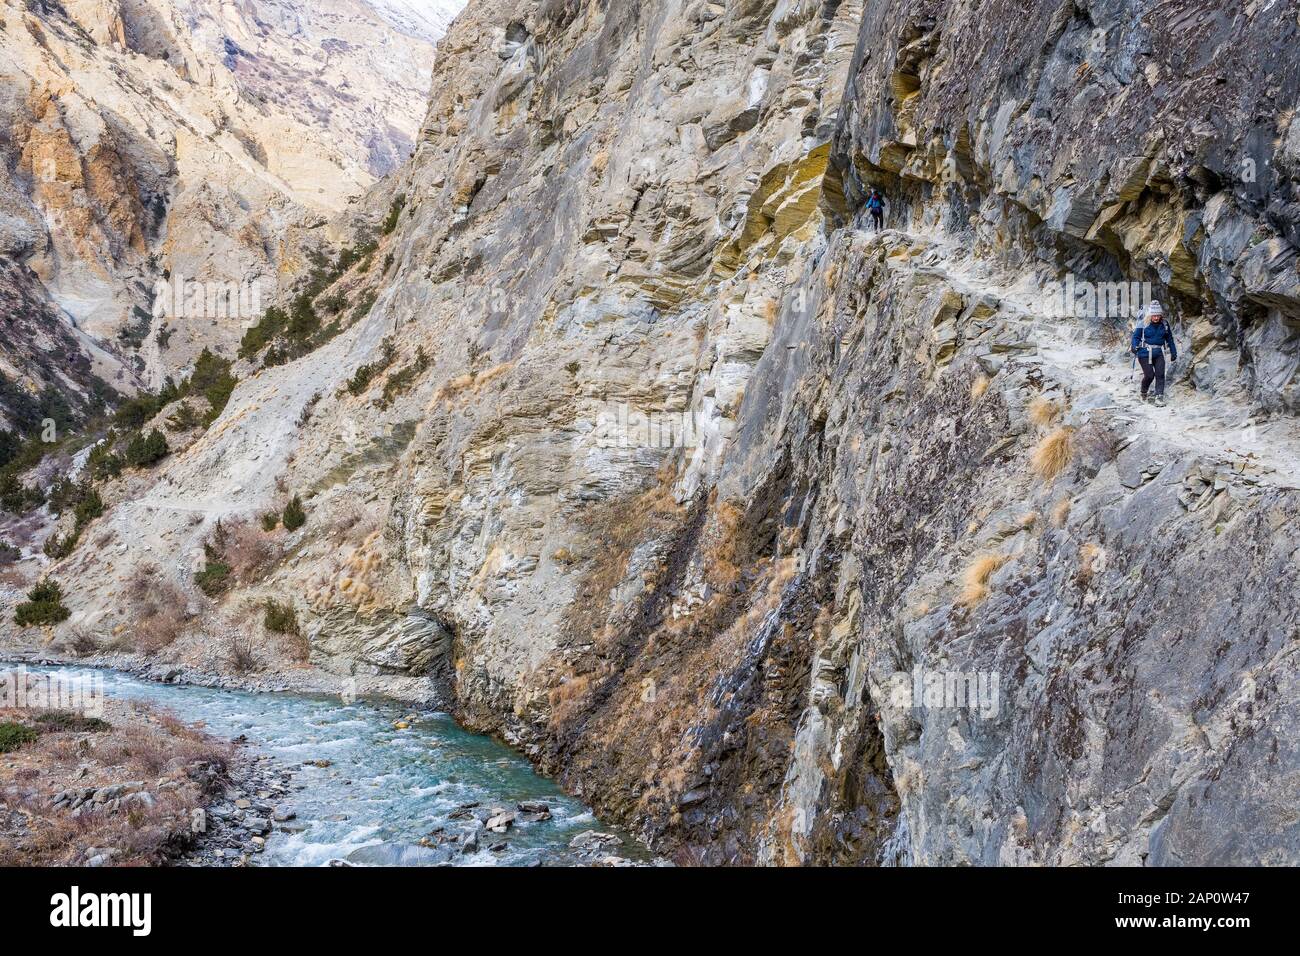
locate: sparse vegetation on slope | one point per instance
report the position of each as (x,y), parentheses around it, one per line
(312,317)
(43,607)
(295,515)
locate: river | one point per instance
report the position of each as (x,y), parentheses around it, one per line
(382,785)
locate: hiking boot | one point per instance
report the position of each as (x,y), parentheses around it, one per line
(1160,401)
(1144,398)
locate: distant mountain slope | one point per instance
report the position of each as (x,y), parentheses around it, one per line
(421,18)
(356,69)
(147,140)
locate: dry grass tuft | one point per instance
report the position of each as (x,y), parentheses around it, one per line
(468,382)
(975,582)
(566,698)
(1061,512)
(1053,454)
(1092,559)
(979,387)
(1044,412)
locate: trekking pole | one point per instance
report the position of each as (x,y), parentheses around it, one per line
(1133,352)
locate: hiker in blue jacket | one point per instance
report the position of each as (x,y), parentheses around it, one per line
(876,205)
(1150,339)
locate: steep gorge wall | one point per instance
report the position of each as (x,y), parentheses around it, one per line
(655,207)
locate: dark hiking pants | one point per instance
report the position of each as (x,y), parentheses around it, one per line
(1153,370)
(878,218)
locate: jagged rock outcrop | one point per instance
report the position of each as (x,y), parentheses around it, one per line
(700,479)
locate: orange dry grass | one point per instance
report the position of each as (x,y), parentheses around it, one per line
(1043,412)
(1061,512)
(721,552)
(1053,454)
(975,582)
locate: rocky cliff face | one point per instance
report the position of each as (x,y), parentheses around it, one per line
(150,141)
(782,540)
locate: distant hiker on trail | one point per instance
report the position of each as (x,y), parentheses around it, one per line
(876,203)
(1150,339)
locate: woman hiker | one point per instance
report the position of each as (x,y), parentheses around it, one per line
(1150,340)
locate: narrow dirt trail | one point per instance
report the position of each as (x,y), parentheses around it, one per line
(1223,427)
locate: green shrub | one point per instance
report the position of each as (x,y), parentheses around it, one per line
(303,320)
(281,618)
(10,446)
(213,380)
(103,464)
(217,574)
(214,579)
(334,304)
(90,507)
(133,334)
(209,370)
(394,214)
(365,305)
(401,381)
(66,493)
(288,334)
(18,498)
(13,736)
(144,451)
(84,502)
(361,252)
(44,606)
(57,547)
(295,516)
(8,553)
(186,418)
(309,410)
(135,413)
(276,356)
(272,323)
(270,521)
